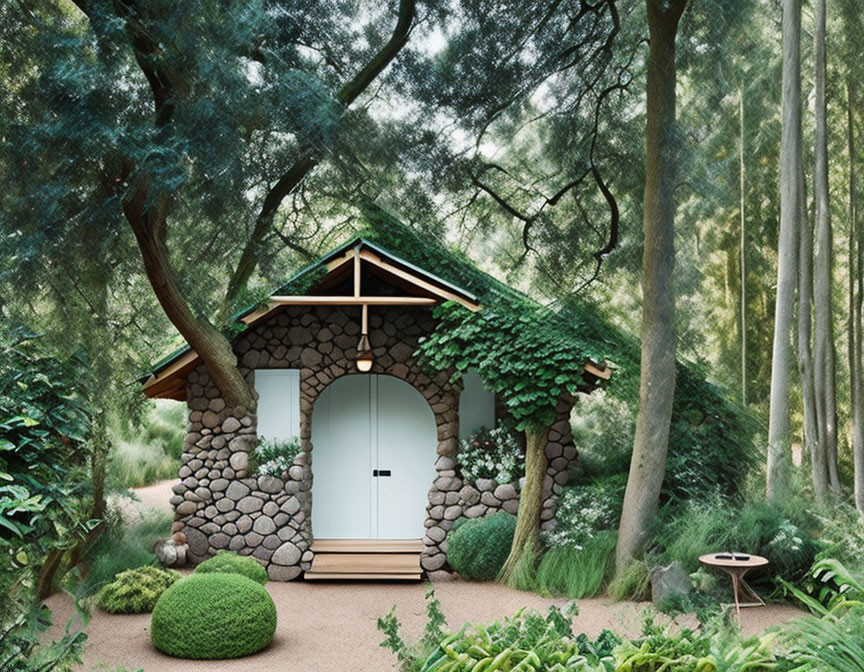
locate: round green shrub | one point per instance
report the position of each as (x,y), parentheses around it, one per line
(135,591)
(477,548)
(213,616)
(227,562)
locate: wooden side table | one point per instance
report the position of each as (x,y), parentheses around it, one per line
(737,565)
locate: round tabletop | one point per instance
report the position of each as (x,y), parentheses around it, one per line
(733,560)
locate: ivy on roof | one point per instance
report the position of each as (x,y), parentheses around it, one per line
(529,354)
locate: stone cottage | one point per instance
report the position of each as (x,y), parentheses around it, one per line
(375,487)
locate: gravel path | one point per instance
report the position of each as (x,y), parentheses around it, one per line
(330,627)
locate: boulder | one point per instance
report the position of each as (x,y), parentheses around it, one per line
(669,582)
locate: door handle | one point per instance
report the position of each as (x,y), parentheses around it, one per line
(380,472)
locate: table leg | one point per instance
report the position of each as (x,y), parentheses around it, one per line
(749,593)
(735,581)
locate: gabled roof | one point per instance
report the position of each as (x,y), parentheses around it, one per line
(402,257)
(316,285)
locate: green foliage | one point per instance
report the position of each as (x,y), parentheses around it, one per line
(274,456)
(783,535)
(23,645)
(576,573)
(136,591)
(45,439)
(44,430)
(526,641)
(711,649)
(491,453)
(213,616)
(585,510)
(833,640)
(411,656)
(121,546)
(477,548)
(634,583)
(147,452)
(523,352)
(231,563)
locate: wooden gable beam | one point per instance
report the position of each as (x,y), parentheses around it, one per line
(445,294)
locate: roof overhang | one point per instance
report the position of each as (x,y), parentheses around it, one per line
(346,264)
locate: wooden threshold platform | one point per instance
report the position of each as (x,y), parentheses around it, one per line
(366,559)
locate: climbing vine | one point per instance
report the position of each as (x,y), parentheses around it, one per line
(518,351)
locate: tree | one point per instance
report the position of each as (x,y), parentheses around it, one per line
(118,95)
(778,464)
(824,373)
(657,381)
(309,154)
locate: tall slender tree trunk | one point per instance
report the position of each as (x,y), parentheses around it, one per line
(742,244)
(824,373)
(657,379)
(856,296)
(526,538)
(779,464)
(812,446)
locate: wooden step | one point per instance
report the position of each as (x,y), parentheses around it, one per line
(367,546)
(367,563)
(347,576)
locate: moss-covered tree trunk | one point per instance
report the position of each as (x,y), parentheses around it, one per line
(527,536)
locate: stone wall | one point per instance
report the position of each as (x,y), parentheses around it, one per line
(219,506)
(450,498)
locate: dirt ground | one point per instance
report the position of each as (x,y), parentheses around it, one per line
(330,626)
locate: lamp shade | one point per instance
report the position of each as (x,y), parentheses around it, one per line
(364,354)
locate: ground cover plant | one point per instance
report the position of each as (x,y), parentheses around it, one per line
(136,591)
(228,562)
(530,641)
(213,616)
(477,548)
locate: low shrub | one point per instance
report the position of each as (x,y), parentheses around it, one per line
(227,562)
(136,591)
(213,616)
(477,548)
(576,572)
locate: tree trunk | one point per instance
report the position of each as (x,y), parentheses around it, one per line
(823,342)
(527,536)
(779,463)
(148,223)
(657,378)
(805,354)
(856,295)
(742,260)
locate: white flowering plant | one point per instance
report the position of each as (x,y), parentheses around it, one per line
(273,457)
(585,510)
(491,453)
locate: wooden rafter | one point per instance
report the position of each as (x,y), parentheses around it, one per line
(444,294)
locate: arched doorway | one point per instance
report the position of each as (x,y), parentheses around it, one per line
(374,448)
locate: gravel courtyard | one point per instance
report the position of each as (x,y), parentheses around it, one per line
(330,626)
